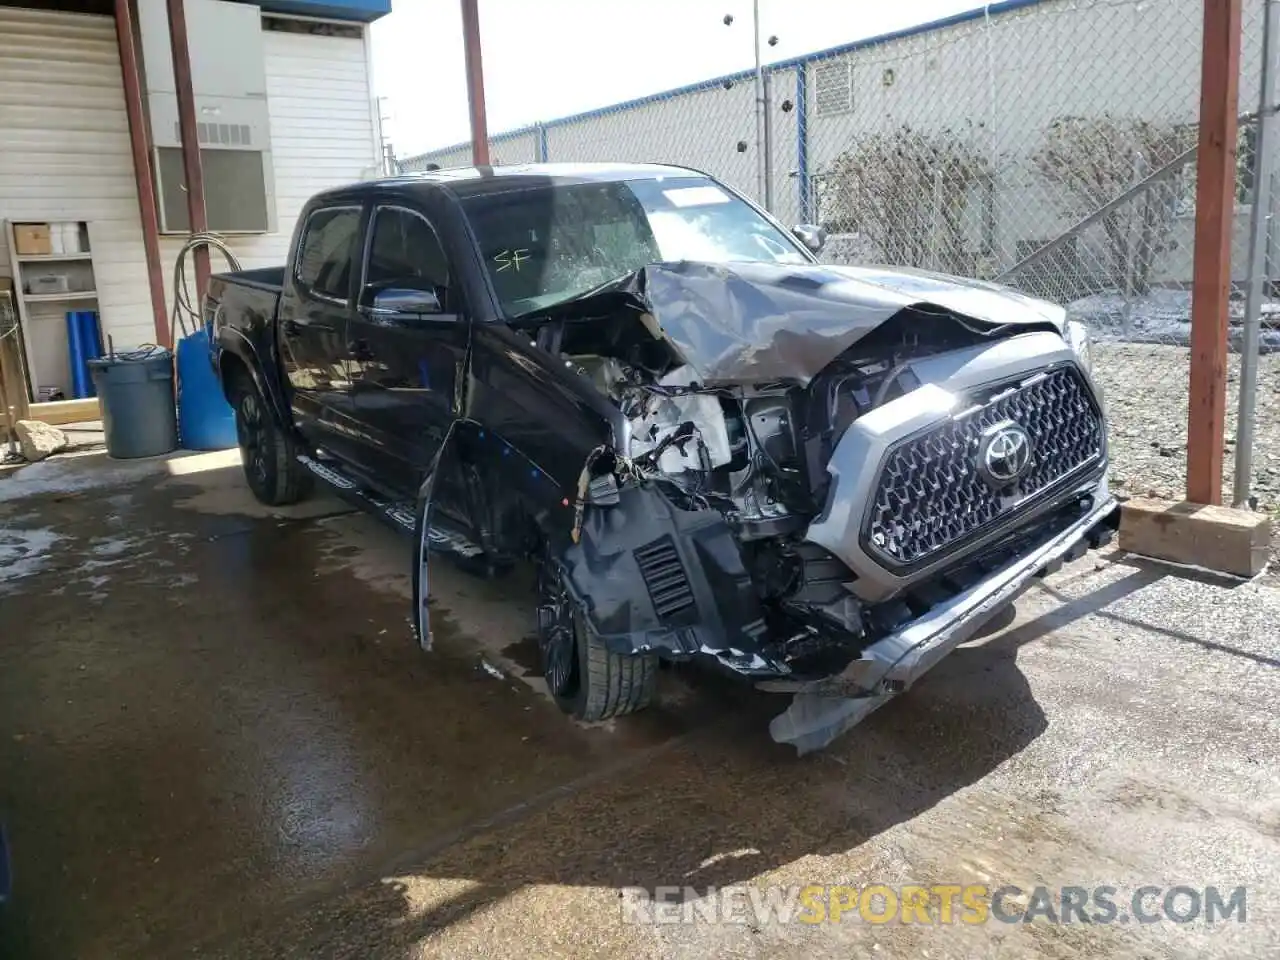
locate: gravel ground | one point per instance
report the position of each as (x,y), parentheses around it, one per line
(1146,393)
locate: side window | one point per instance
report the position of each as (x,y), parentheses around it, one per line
(327,251)
(405,250)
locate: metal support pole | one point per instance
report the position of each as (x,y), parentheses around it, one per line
(1132,250)
(767,200)
(764,122)
(1258,227)
(475,83)
(192,168)
(147,212)
(1215,218)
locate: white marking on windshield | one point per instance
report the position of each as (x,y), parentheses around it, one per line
(695,196)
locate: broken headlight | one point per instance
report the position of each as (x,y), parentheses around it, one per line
(1077,335)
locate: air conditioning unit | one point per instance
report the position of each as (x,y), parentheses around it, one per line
(228,78)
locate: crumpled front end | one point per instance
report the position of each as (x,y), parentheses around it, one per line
(835,531)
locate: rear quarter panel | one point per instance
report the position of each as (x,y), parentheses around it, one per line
(241,309)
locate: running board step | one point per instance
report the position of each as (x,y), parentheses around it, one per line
(399,514)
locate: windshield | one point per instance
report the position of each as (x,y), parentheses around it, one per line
(549,244)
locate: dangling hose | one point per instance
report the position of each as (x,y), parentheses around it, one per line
(183,311)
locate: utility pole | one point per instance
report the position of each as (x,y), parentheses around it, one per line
(764,117)
(764,122)
(388,153)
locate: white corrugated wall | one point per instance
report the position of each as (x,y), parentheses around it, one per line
(64,147)
(64,155)
(322,134)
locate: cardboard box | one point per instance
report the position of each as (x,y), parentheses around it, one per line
(32,239)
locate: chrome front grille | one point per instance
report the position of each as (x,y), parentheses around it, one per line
(932,495)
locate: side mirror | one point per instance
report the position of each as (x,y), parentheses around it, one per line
(811,235)
(403,300)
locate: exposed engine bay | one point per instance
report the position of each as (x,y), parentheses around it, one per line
(786,524)
(756,453)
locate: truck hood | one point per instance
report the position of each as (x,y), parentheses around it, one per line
(751,323)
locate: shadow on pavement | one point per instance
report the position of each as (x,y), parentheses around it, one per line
(717,806)
(1144,574)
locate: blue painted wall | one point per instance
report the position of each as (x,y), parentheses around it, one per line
(355,11)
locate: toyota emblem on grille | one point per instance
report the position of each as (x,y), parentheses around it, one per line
(1004,453)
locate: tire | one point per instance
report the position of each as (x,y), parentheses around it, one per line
(610,684)
(269,454)
(586,679)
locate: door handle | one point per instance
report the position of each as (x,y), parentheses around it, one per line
(292,327)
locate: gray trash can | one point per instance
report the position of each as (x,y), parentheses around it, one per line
(136,390)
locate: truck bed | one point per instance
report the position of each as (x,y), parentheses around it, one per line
(263,278)
(246,301)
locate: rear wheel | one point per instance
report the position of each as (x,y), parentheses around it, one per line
(269,454)
(586,679)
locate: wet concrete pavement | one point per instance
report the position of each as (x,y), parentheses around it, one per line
(218,739)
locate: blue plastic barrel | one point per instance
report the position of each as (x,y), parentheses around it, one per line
(205,419)
(90,345)
(90,335)
(80,385)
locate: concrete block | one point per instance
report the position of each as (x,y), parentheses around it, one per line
(1223,539)
(39,439)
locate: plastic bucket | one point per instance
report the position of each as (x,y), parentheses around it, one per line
(205,419)
(136,391)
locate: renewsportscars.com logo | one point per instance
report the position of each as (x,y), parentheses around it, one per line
(938,904)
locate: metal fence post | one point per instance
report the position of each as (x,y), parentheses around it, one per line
(802,144)
(1258,229)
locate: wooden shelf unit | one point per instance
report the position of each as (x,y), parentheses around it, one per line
(47,348)
(60,297)
(52,257)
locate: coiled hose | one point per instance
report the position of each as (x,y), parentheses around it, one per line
(183,312)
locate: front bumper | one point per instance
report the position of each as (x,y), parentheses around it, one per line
(825,708)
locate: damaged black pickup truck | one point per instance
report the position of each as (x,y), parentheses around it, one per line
(819,478)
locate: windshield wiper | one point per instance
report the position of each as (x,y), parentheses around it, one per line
(608,286)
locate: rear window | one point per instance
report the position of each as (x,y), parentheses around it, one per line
(327,251)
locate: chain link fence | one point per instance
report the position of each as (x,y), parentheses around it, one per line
(1046,144)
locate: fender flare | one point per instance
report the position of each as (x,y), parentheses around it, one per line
(235,343)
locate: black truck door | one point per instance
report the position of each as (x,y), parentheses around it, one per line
(408,341)
(312,322)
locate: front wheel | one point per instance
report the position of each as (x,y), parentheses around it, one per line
(587,680)
(269,455)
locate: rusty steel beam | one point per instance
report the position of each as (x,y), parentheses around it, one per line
(192,168)
(1211,277)
(133,105)
(475,84)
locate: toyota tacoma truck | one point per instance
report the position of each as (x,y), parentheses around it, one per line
(711,445)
